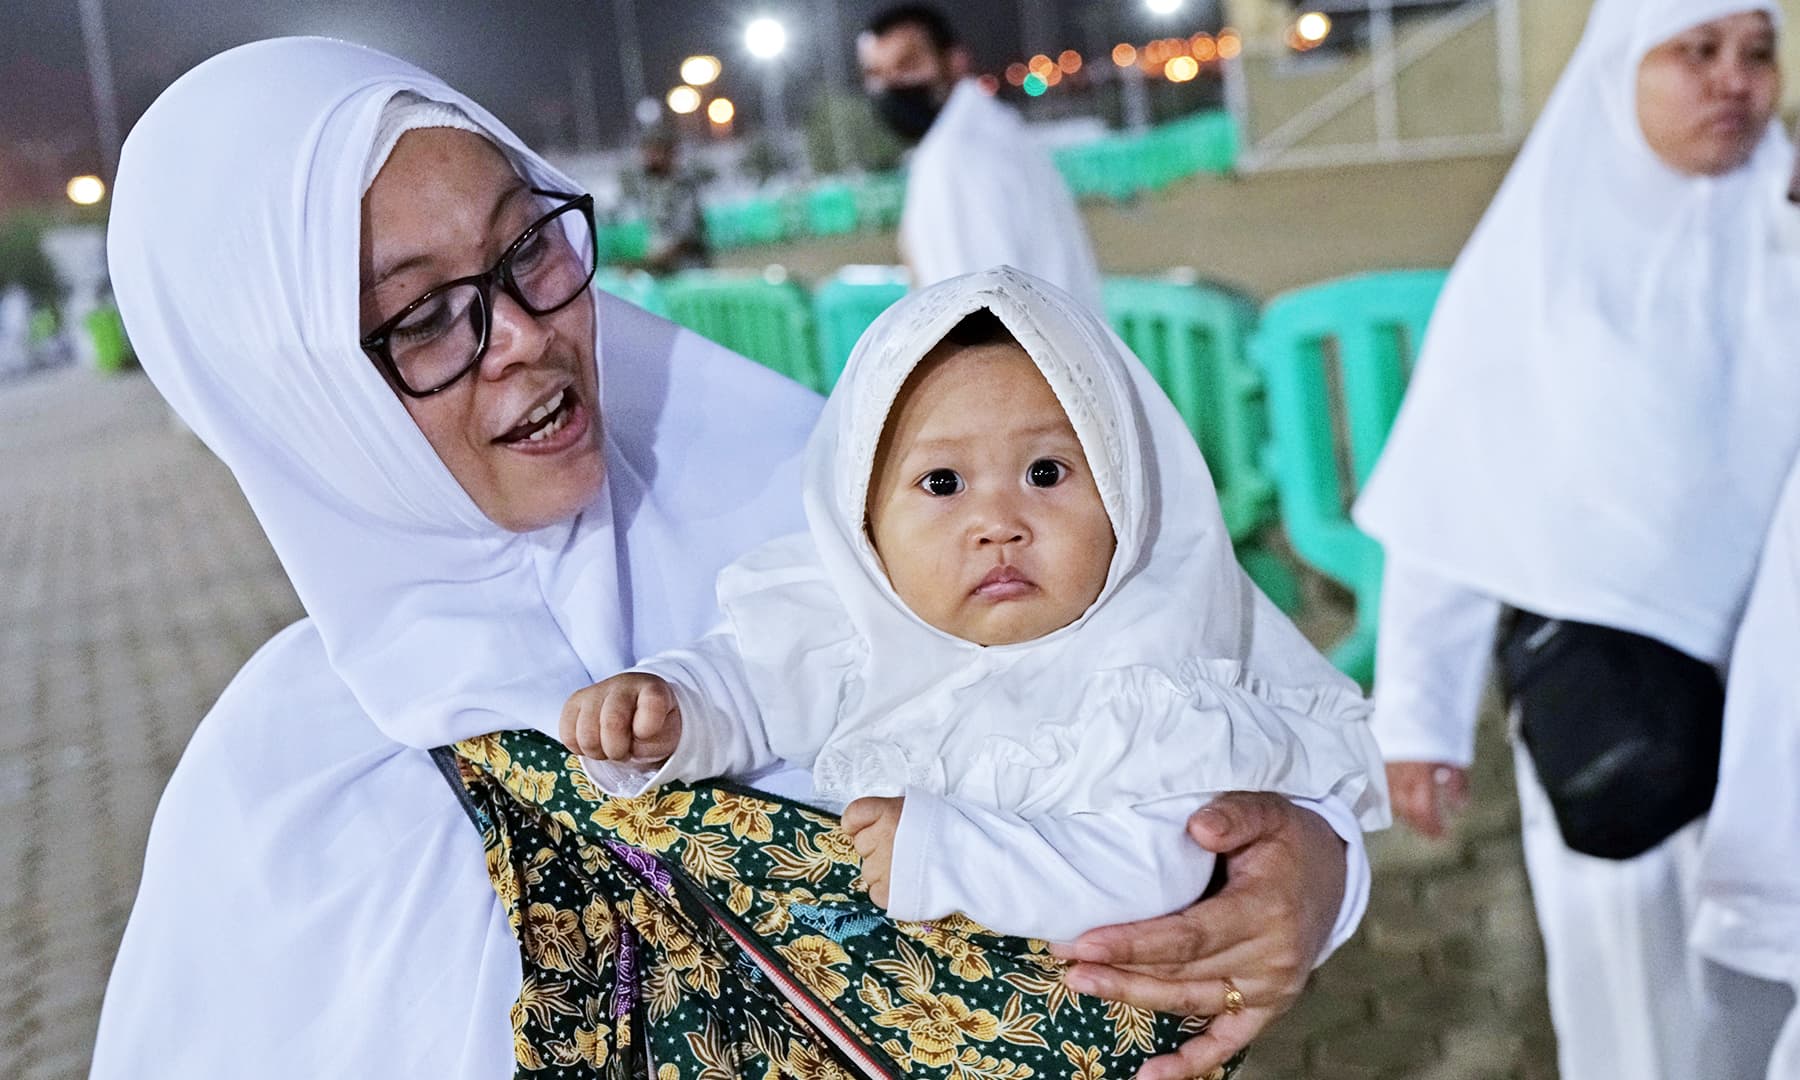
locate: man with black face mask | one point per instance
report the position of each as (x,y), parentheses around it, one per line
(980,190)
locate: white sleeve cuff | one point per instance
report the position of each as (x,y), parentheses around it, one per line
(1356,870)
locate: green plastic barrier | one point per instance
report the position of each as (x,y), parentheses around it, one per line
(634,285)
(768,320)
(745,223)
(1337,357)
(879,200)
(623,241)
(1122,167)
(831,209)
(111,351)
(1194,338)
(846,304)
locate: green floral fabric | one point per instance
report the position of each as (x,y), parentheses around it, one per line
(712,933)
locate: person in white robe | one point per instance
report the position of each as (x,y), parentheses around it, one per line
(1597,431)
(1059,726)
(980,190)
(314,899)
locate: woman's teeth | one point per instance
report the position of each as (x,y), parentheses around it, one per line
(546,408)
(549,429)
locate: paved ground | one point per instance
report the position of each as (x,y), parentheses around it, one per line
(133,582)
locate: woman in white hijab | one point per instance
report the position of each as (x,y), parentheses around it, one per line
(1592,444)
(475,530)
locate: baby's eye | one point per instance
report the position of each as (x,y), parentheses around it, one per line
(1045,473)
(941,482)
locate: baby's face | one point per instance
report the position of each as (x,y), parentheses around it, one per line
(982,506)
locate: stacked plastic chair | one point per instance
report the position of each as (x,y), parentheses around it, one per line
(1194,338)
(1337,357)
(846,304)
(765,317)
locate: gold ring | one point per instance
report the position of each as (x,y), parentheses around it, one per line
(1234,998)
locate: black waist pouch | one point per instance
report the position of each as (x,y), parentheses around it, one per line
(1623,730)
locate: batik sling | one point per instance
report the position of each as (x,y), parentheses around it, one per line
(714,933)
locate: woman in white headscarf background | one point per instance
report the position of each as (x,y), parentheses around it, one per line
(471,543)
(1582,473)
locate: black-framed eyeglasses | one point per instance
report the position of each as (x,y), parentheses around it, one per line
(440,337)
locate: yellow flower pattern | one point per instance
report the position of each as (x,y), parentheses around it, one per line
(629,914)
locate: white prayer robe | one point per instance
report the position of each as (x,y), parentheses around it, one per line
(981,192)
(1748,916)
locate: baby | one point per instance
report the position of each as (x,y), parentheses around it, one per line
(1014,643)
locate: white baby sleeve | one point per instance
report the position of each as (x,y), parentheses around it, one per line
(1050,877)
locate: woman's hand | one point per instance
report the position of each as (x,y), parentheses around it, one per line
(871,823)
(629,717)
(1263,931)
(1426,794)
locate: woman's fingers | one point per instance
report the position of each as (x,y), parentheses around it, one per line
(1425,793)
(1169,939)
(1209,1050)
(1185,996)
(1238,819)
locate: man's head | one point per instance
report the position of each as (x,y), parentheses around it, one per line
(656,151)
(911,60)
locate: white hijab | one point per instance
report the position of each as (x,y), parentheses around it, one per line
(1599,423)
(234,248)
(826,640)
(352,930)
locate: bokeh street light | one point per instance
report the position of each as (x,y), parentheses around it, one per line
(1163,7)
(1313,27)
(700,70)
(86,190)
(765,38)
(683,100)
(720,111)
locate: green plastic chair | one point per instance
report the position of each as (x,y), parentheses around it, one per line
(1194,339)
(1337,357)
(762,316)
(633,285)
(846,304)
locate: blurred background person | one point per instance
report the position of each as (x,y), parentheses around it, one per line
(671,194)
(980,192)
(1581,476)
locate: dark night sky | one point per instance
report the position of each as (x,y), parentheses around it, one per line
(514,57)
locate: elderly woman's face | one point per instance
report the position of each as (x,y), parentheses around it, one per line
(520,432)
(1705,97)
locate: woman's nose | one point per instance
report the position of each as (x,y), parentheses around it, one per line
(1734,77)
(515,336)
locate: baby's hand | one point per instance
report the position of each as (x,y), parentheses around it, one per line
(871,823)
(629,717)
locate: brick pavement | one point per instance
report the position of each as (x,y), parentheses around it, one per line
(134,582)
